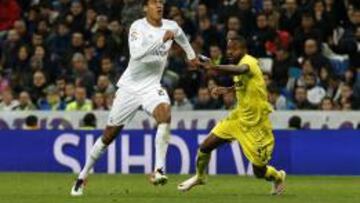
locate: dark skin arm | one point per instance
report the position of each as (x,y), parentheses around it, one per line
(233,69)
(227,69)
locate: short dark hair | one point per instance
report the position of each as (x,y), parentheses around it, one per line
(240,39)
(89,120)
(31,121)
(295,122)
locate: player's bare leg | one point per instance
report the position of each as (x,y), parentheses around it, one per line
(100,146)
(162,115)
(202,161)
(269,173)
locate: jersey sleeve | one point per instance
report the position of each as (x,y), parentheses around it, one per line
(181,39)
(251,63)
(137,46)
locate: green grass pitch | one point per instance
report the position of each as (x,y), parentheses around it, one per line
(55,188)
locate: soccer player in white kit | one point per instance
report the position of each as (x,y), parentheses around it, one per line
(150,39)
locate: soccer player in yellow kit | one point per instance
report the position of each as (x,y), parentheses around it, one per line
(248,122)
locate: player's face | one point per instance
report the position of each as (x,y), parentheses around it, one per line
(234,51)
(154,9)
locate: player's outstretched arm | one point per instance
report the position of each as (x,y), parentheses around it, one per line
(233,69)
(227,69)
(183,42)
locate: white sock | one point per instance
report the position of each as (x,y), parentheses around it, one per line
(97,150)
(161,145)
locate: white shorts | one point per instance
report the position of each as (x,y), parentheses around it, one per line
(127,102)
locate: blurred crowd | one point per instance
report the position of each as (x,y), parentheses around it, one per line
(68,54)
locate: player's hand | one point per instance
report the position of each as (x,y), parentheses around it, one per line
(169,35)
(194,63)
(207,65)
(216,91)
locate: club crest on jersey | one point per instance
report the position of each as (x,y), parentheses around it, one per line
(239,84)
(134,36)
(162,50)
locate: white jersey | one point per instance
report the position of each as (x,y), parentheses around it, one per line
(148,54)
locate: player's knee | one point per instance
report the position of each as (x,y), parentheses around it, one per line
(259,172)
(205,149)
(166,118)
(162,113)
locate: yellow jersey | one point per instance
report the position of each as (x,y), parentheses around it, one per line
(251,94)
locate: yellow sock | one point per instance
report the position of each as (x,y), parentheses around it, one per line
(202,161)
(272,174)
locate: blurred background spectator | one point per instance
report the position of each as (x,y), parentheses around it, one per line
(9,12)
(295,123)
(181,102)
(25,103)
(31,123)
(80,103)
(309,51)
(99,101)
(8,102)
(88,122)
(52,101)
